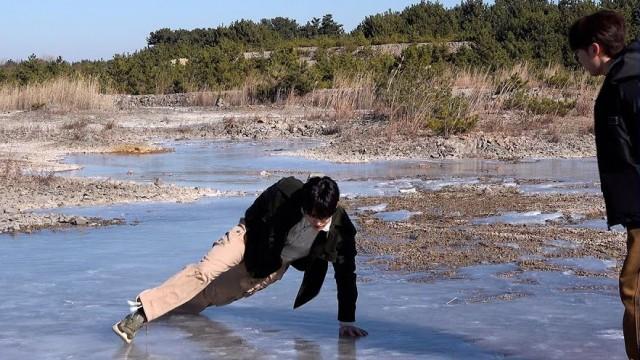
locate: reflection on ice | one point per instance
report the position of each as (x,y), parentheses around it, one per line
(379,210)
(252,166)
(438,184)
(586,263)
(373,208)
(77,282)
(400,215)
(598,224)
(557,245)
(564,244)
(519,218)
(75,286)
(611,334)
(560,188)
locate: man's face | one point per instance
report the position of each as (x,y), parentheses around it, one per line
(592,59)
(317,223)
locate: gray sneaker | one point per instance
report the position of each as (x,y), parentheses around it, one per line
(127,327)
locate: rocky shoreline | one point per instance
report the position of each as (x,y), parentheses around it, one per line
(477,146)
(20,195)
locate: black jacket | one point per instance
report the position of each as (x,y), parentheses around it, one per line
(617,131)
(268,221)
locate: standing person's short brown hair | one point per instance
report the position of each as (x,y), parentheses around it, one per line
(605,27)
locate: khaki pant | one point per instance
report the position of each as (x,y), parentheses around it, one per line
(218,279)
(629,277)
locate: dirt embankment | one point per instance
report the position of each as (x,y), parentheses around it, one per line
(41,138)
(364,146)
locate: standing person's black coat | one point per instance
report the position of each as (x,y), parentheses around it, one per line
(617,131)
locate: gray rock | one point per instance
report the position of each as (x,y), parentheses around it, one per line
(79,220)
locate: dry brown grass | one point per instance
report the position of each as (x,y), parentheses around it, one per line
(248,94)
(586,95)
(523,71)
(536,122)
(138,149)
(493,95)
(476,79)
(203,98)
(552,70)
(422,99)
(62,94)
(10,169)
(110,125)
(478,86)
(349,94)
(75,125)
(582,125)
(509,100)
(18,172)
(44,178)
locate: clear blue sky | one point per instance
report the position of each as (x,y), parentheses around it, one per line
(78,30)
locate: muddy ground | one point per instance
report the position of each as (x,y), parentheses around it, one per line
(444,237)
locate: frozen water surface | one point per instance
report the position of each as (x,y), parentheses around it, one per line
(560,188)
(598,224)
(519,218)
(373,208)
(400,215)
(238,165)
(586,263)
(65,288)
(62,290)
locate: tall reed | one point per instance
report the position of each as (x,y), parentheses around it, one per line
(62,93)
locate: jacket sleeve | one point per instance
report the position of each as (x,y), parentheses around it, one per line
(630,134)
(344,268)
(260,256)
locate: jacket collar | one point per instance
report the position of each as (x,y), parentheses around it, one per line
(627,64)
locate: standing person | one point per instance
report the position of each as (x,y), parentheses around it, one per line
(598,42)
(290,223)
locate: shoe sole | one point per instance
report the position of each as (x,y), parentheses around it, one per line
(121,334)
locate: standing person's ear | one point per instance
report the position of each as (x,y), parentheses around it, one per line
(594,50)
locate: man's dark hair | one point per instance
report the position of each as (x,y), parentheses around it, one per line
(605,27)
(320,197)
